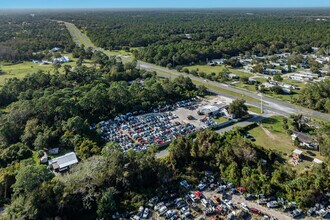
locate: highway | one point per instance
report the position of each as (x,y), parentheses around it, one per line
(269,105)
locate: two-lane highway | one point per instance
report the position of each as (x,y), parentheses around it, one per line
(272,105)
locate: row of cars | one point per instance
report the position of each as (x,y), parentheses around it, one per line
(320,209)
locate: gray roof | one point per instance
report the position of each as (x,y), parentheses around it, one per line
(65,160)
(303,137)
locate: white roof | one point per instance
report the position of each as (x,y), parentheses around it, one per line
(209,108)
(296,151)
(65,160)
(318,161)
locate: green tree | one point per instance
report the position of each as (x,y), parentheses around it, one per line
(278,78)
(30,177)
(107,204)
(87,149)
(238,108)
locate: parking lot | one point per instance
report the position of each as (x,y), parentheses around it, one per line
(138,130)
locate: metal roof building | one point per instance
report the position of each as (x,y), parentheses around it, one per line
(63,162)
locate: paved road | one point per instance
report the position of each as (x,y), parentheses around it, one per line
(255,119)
(272,105)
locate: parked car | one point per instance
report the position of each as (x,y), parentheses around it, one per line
(245,207)
(262,201)
(255,211)
(201,187)
(249,197)
(295,213)
(146,213)
(272,204)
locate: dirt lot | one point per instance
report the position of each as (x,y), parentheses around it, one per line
(183,113)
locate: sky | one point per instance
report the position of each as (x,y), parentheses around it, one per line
(162,3)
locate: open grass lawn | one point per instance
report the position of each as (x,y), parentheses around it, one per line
(271,135)
(254,109)
(242,85)
(220,120)
(209,69)
(20,70)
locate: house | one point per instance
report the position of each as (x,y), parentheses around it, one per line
(297,154)
(63,59)
(232,76)
(286,90)
(252,81)
(305,140)
(268,85)
(217,61)
(63,163)
(55,49)
(272,71)
(248,68)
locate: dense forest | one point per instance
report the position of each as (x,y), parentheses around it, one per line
(112,181)
(184,37)
(316,96)
(25,36)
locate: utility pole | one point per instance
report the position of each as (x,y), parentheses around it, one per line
(173,61)
(261,104)
(261,107)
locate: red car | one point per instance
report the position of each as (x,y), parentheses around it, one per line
(255,211)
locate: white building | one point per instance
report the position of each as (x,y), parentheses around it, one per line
(63,163)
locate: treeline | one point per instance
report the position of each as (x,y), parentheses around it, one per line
(113,181)
(56,110)
(49,110)
(316,96)
(24,37)
(183,37)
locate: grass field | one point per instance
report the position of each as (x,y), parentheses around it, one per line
(220,120)
(20,70)
(254,109)
(271,135)
(209,69)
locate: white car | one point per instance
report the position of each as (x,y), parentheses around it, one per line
(272,204)
(146,213)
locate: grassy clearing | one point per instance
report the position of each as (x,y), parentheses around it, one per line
(245,86)
(271,135)
(220,120)
(20,70)
(210,69)
(254,109)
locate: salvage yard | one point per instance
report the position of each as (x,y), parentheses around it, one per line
(138,130)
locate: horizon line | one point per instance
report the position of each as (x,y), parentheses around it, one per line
(209,8)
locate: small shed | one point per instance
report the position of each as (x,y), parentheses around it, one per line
(317,161)
(297,154)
